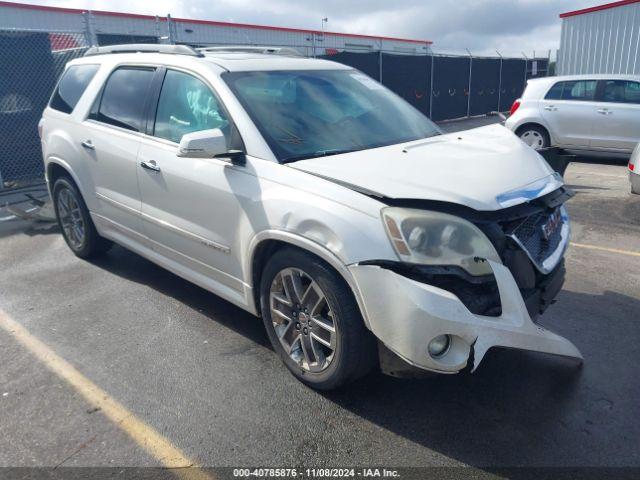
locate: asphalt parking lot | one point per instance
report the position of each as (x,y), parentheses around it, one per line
(200,373)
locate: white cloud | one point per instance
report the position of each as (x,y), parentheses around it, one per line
(482,26)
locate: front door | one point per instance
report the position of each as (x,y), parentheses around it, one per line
(190,209)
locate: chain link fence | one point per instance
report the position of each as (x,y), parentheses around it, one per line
(31,63)
(440,86)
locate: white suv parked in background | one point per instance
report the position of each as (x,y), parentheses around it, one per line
(308,194)
(582,113)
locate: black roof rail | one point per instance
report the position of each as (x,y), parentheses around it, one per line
(144,48)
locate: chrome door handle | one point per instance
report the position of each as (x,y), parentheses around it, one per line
(88,145)
(551,108)
(150,165)
(604,111)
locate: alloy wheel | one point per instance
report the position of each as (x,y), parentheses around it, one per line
(71,218)
(303,320)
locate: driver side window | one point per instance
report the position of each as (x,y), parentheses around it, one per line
(186,105)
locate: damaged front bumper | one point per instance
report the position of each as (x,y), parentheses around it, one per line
(405,315)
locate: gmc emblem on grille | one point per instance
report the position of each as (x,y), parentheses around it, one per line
(551,224)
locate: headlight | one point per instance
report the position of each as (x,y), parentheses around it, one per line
(433,238)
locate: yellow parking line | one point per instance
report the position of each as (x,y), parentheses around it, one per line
(144,435)
(606,249)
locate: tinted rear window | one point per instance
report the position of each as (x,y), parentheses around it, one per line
(72,85)
(124,96)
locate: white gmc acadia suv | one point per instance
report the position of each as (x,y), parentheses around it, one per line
(308,194)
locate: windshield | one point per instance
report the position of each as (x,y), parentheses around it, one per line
(312,113)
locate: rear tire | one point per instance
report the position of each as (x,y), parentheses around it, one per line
(535,136)
(635,183)
(75,221)
(302,300)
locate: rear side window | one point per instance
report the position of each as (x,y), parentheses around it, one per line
(71,86)
(621,91)
(123,98)
(579,90)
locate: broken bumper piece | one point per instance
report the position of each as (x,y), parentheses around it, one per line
(406,315)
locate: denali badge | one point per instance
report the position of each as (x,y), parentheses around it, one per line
(551,224)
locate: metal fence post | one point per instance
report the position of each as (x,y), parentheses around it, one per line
(433,61)
(170,31)
(499,82)
(89,28)
(380,61)
(526,61)
(469,89)
(159,35)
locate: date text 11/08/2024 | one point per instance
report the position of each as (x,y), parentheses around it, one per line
(315,472)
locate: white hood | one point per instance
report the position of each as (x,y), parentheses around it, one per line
(473,168)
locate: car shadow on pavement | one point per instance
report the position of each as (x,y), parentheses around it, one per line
(518,408)
(27,227)
(601,160)
(584,187)
(133,267)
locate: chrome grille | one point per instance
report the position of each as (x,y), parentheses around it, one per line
(529,233)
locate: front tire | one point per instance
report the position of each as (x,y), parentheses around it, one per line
(313,321)
(75,221)
(534,136)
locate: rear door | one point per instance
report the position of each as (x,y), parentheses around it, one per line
(110,139)
(617,122)
(569,110)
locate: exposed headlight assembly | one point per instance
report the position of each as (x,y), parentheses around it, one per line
(433,238)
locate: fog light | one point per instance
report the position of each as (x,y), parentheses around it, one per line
(439,345)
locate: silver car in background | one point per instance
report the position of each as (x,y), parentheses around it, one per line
(594,114)
(634,170)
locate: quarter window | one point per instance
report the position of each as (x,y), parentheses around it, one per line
(621,91)
(124,96)
(71,86)
(556,92)
(186,105)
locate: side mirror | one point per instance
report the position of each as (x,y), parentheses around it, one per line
(208,144)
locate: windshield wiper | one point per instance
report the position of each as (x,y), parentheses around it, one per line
(319,153)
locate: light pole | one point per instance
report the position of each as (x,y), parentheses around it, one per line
(321,39)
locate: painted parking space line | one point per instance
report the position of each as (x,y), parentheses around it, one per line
(606,249)
(149,439)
